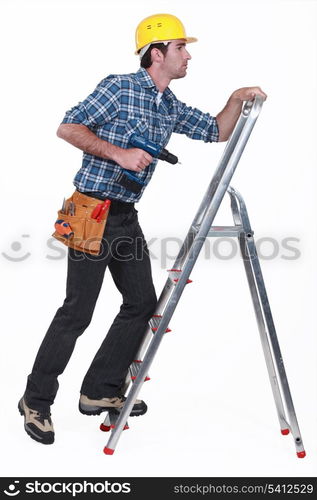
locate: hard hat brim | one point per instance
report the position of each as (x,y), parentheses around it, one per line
(188,39)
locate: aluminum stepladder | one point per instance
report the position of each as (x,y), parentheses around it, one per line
(200,229)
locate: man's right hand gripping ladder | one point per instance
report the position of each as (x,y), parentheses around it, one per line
(178,277)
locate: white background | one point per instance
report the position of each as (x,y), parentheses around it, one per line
(211,411)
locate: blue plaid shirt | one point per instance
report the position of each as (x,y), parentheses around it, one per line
(122,105)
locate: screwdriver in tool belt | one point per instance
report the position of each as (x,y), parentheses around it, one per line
(100,210)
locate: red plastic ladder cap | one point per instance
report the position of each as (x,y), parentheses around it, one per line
(105,428)
(108,451)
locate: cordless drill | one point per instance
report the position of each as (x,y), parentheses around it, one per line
(128,179)
(154,149)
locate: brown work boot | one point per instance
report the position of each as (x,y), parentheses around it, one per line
(96,406)
(37,424)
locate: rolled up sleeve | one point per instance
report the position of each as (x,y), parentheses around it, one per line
(101,106)
(196,124)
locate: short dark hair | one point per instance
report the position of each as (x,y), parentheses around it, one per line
(146,60)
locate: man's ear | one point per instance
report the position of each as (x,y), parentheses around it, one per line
(156,55)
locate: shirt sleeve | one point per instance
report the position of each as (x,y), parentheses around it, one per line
(99,107)
(196,124)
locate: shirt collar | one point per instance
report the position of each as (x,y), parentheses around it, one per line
(144,78)
(146,81)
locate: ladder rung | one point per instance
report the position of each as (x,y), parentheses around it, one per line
(113,420)
(112,426)
(166,331)
(174,275)
(135,368)
(133,377)
(155,322)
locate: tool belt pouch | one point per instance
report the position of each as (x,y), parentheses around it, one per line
(80,231)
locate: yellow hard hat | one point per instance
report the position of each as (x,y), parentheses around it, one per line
(159,28)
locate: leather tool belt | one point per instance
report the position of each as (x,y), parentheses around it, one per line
(81,222)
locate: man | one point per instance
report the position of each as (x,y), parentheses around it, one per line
(101,126)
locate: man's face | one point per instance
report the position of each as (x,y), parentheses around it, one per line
(176,59)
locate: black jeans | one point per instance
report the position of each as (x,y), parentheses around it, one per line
(125,252)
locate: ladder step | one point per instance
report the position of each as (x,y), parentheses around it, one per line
(226,231)
(174,275)
(112,426)
(155,322)
(135,368)
(110,422)
(107,428)
(113,421)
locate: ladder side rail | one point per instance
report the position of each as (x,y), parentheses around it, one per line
(276,348)
(263,335)
(163,299)
(224,171)
(148,334)
(250,111)
(134,391)
(246,257)
(277,355)
(233,194)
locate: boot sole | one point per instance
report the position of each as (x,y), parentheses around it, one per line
(29,433)
(97,410)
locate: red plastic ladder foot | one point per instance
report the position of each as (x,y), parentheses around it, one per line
(284,432)
(108,451)
(301,454)
(105,428)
